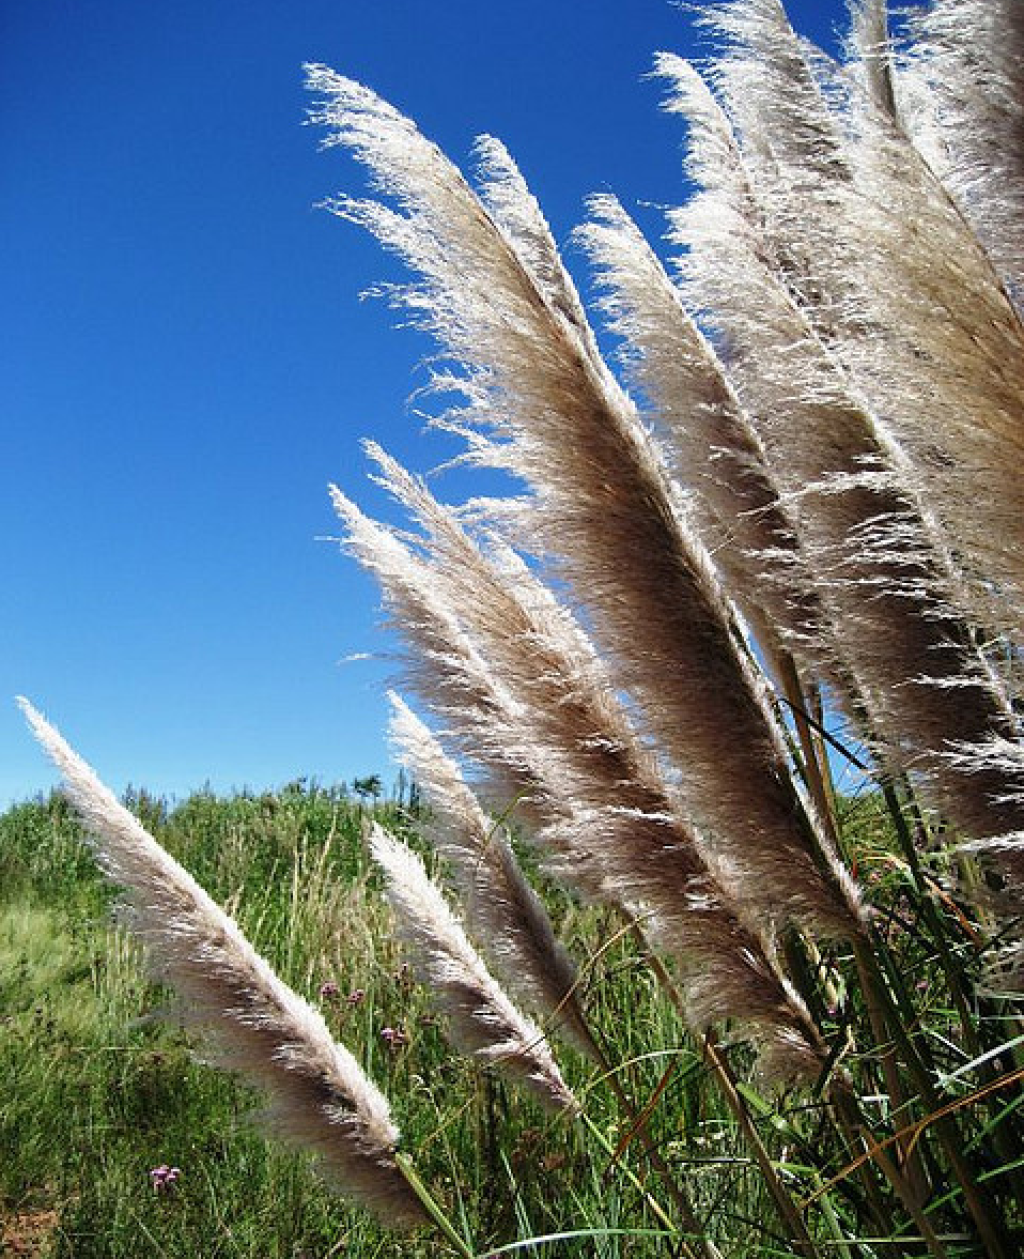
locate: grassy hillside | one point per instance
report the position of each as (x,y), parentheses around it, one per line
(99,1086)
(101,1089)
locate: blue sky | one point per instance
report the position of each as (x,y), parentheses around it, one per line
(186,363)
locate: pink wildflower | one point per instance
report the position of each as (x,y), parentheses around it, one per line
(395,1037)
(164,1178)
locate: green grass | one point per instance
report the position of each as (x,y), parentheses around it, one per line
(98,1085)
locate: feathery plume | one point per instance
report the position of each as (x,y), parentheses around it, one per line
(600,805)
(967,59)
(896,283)
(515,210)
(484,1021)
(502,909)
(870,53)
(443,665)
(320,1096)
(609,513)
(879,570)
(717,453)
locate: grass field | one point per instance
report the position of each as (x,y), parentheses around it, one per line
(101,1088)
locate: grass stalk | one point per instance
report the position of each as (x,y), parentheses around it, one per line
(984,1211)
(952,972)
(793,691)
(433,1207)
(698,1245)
(695,1243)
(852,1119)
(714,1055)
(783,1199)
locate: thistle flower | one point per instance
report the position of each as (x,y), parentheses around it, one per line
(164,1179)
(320,1097)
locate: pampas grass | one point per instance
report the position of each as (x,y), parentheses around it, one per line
(483,1019)
(502,908)
(967,64)
(600,809)
(736,500)
(897,638)
(320,1097)
(541,382)
(808,520)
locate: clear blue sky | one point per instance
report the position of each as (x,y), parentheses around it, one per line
(185,361)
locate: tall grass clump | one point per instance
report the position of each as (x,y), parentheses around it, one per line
(786,1016)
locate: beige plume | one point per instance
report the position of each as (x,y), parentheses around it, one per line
(320,1096)
(484,1021)
(609,512)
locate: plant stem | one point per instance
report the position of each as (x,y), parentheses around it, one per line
(952,972)
(851,1116)
(639,1122)
(1006,1143)
(433,1207)
(714,1055)
(781,1196)
(695,1242)
(983,1209)
(792,689)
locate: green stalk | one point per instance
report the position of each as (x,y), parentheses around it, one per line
(950,969)
(784,1203)
(1006,1143)
(715,1057)
(639,1123)
(982,1207)
(850,1115)
(910,1156)
(707,1246)
(433,1207)
(852,1129)
(847,1110)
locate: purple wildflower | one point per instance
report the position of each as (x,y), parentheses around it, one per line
(164,1178)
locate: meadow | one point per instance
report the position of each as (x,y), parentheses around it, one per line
(101,1087)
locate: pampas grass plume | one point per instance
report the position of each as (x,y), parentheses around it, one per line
(320,1096)
(484,1021)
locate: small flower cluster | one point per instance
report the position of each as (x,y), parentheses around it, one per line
(164,1178)
(395,1037)
(330,991)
